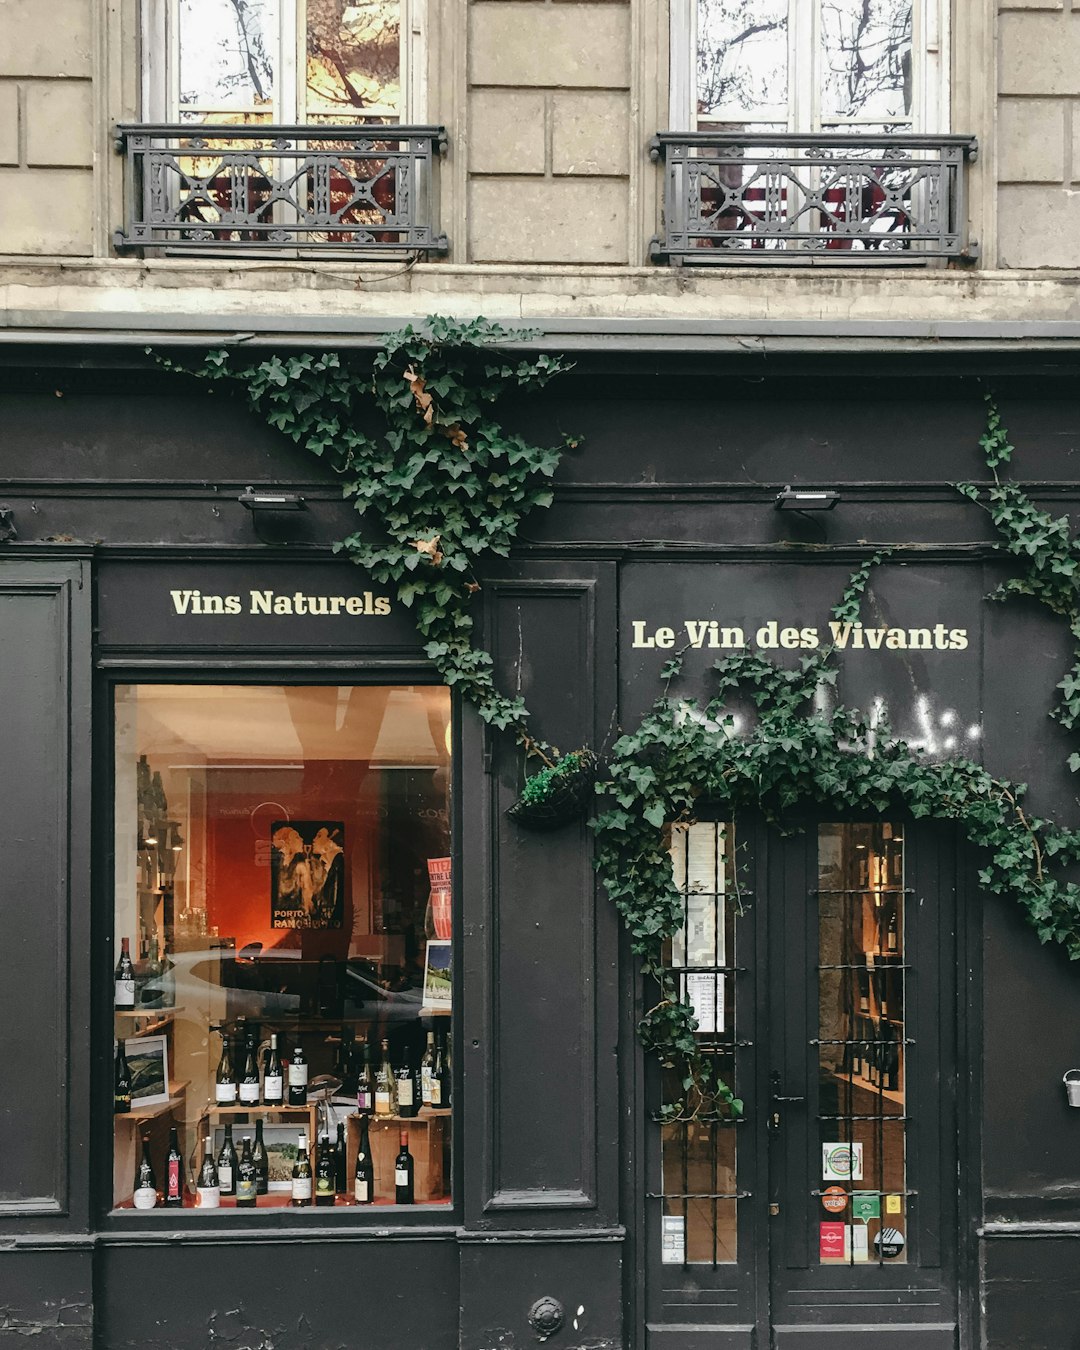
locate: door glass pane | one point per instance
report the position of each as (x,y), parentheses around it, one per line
(698,1153)
(742,60)
(227,59)
(860,1193)
(283,937)
(353,60)
(866,60)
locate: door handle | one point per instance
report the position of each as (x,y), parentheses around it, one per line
(778,1099)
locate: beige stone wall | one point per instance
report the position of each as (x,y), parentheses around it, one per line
(46,127)
(1038,134)
(548,140)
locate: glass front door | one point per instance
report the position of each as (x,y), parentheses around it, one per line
(822,969)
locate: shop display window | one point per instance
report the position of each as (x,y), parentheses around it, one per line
(283,1028)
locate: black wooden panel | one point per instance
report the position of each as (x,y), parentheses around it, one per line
(44,967)
(1032,1292)
(550,1126)
(46,1299)
(292,1295)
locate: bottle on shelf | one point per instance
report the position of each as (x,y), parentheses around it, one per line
(226,1163)
(247,1181)
(121,1081)
(341,1177)
(298,1077)
(365,1085)
(124,981)
(364,1183)
(892,931)
(324,1172)
(174,1173)
(248,1087)
(408,1103)
(384,1085)
(167,981)
(208,1189)
(145,1194)
(427,1069)
(345,1067)
(403,1173)
(440,1074)
(150,991)
(301,1174)
(261,1160)
(273,1088)
(225,1085)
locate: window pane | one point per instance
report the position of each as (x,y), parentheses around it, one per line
(862,1193)
(353,59)
(742,60)
(283,890)
(866,59)
(227,56)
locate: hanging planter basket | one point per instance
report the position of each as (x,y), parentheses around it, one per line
(556,795)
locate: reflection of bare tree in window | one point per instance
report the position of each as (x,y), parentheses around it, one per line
(866,46)
(253,50)
(741,54)
(353,56)
(225,57)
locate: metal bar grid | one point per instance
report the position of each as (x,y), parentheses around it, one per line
(250,188)
(826,198)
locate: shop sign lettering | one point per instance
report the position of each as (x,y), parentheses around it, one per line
(190,603)
(776,635)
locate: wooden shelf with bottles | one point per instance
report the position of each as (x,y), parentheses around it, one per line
(866,1085)
(282,1200)
(157,1019)
(427,1143)
(177,1095)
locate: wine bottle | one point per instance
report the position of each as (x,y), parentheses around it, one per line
(403,1173)
(273,1081)
(892,933)
(427,1069)
(298,1077)
(225,1078)
(124,983)
(208,1190)
(324,1172)
(365,1085)
(226,1164)
(365,1172)
(168,980)
(384,1085)
(150,993)
(145,1196)
(301,1174)
(341,1175)
(249,1079)
(122,1082)
(440,1075)
(261,1160)
(407,1102)
(174,1173)
(247,1181)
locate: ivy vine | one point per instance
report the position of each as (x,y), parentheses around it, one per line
(439,485)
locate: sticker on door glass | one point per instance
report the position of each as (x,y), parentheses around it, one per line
(673,1240)
(832,1241)
(866,1205)
(889,1242)
(893,1204)
(842,1162)
(834,1199)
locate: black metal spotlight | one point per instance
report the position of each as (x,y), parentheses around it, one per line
(806,499)
(267,499)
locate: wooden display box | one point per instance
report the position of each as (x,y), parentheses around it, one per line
(427,1144)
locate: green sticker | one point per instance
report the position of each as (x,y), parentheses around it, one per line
(865,1205)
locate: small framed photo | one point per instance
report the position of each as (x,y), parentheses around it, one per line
(438,977)
(148,1060)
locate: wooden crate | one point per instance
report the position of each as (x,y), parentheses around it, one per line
(427,1143)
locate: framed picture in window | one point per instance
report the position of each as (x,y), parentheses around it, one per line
(148,1062)
(438,977)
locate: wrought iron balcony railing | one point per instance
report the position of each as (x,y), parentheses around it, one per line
(742,197)
(250,188)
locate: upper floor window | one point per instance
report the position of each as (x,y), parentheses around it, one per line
(286,62)
(810,65)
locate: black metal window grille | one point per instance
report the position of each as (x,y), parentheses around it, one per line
(700,1189)
(862,1050)
(253,188)
(822,198)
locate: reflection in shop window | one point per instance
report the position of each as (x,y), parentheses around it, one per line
(283,934)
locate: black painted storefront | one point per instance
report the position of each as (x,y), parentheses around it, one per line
(123,486)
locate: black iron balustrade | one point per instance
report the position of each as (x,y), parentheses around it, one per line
(776,199)
(250,188)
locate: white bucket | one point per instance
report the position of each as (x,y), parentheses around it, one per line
(1072,1086)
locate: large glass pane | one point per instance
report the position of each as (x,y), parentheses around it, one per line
(742,61)
(228,59)
(699,1216)
(353,60)
(866,61)
(282,900)
(861,1197)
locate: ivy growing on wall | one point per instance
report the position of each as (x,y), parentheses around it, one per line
(439,485)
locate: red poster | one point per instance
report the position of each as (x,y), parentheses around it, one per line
(832,1244)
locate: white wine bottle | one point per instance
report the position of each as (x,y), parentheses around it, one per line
(208,1189)
(301,1174)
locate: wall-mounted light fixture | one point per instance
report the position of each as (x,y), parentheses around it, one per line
(806,499)
(266,499)
(271,509)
